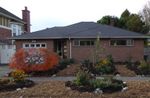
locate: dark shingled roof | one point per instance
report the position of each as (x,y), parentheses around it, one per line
(8,14)
(81,30)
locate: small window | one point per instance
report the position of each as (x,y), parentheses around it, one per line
(92,43)
(76,43)
(82,43)
(37,45)
(26,45)
(129,42)
(32,45)
(43,45)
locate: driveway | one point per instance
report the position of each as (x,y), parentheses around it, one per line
(4,70)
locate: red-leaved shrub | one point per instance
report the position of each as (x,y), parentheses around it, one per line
(34,59)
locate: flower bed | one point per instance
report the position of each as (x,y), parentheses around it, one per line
(8,85)
(140,68)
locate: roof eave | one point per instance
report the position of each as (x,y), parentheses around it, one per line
(118,37)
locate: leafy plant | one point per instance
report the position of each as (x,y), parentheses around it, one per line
(82,78)
(105,66)
(33,59)
(64,62)
(18,75)
(87,66)
(107,84)
(144,67)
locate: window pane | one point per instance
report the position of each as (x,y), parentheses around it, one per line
(129,42)
(43,45)
(88,43)
(76,42)
(32,45)
(37,45)
(92,43)
(82,43)
(26,45)
(121,42)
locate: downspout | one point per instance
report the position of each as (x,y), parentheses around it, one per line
(70,48)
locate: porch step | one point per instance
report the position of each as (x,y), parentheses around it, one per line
(125,71)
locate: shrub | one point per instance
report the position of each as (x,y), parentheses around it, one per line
(64,62)
(18,75)
(105,66)
(144,67)
(82,78)
(87,66)
(33,59)
(107,84)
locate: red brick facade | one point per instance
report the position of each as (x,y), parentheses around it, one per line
(79,53)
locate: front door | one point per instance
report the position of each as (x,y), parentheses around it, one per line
(59,47)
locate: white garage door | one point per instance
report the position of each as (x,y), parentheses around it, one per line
(7,52)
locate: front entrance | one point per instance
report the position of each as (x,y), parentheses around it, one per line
(59,47)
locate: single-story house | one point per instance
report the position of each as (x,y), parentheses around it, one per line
(77,41)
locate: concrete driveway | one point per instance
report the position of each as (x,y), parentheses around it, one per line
(4,70)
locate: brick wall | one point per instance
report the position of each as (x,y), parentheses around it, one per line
(119,53)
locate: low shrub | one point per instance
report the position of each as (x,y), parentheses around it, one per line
(105,66)
(87,66)
(144,67)
(82,78)
(107,84)
(64,62)
(18,75)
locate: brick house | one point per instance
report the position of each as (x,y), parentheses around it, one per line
(10,26)
(78,41)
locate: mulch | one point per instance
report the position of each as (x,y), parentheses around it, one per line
(57,89)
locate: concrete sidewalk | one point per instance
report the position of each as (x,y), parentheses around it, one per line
(43,79)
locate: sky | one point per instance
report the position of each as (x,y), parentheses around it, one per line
(50,13)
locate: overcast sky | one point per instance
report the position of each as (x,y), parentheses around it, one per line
(50,13)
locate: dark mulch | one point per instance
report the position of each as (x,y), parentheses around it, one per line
(13,85)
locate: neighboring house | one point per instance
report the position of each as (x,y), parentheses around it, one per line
(78,41)
(10,26)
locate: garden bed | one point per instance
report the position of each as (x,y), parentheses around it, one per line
(8,85)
